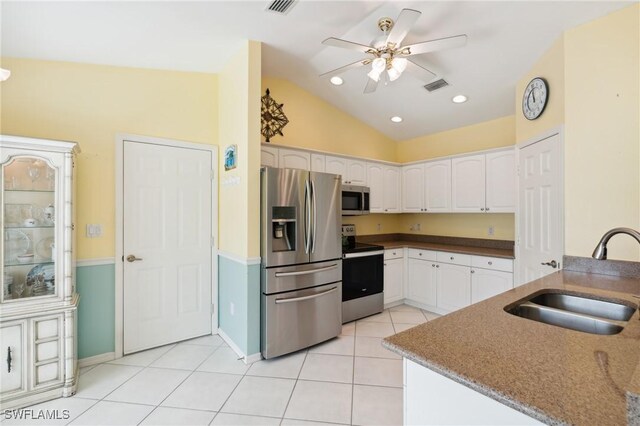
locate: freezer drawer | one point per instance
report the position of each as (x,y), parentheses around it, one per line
(299,319)
(297,277)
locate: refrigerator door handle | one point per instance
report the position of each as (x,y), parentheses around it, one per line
(306,272)
(315,217)
(300,299)
(307,216)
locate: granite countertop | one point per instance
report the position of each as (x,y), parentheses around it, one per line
(453,248)
(552,374)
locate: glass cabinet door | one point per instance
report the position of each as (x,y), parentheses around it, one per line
(28,226)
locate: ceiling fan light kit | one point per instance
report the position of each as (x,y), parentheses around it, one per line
(386,52)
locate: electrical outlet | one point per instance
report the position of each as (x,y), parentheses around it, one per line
(94,230)
(417,226)
(411,228)
(491,230)
(379,227)
(232,309)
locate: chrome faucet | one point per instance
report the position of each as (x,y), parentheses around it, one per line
(600,252)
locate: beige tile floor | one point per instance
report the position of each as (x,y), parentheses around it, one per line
(351,379)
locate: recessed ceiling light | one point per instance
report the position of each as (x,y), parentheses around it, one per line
(459,99)
(396,119)
(336,81)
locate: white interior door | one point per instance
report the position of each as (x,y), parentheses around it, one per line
(167,215)
(540,230)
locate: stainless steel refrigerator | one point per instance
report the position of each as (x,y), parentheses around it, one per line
(301,252)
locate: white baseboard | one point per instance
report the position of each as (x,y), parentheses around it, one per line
(96,359)
(248,359)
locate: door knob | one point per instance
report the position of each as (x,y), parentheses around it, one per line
(553,264)
(132,258)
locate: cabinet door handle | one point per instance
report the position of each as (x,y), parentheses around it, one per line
(8,359)
(490,263)
(473,272)
(482,209)
(437,266)
(451,258)
(487,209)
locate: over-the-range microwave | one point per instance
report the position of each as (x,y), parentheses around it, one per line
(355,200)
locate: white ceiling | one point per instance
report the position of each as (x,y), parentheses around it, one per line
(505,40)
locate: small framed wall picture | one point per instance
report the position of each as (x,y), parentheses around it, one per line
(230,157)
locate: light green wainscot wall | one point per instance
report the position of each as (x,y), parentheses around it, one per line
(97,310)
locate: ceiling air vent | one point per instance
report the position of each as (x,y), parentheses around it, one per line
(281,6)
(435,85)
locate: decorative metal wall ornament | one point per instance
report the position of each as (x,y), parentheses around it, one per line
(273,118)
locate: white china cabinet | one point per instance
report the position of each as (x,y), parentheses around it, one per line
(38,303)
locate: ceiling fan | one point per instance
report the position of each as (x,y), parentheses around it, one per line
(386,52)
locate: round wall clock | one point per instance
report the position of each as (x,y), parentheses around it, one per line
(535,98)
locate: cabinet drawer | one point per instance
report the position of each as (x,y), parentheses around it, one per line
(47,328)
(47,374)
(393,253)
(422,254)
(454,258)
(494,263)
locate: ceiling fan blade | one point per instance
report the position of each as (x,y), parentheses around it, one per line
(401,28)
(419,71)
(371,86)
(344,68)
(435,45)
(336,42)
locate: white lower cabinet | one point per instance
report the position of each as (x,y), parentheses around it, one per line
(393,280)
(454,286)
(421,281)
(14,344)
(486,283)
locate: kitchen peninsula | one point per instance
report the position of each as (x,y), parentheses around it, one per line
(537,372)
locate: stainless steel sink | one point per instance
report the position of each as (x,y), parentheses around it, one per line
(575,312)
(582,305)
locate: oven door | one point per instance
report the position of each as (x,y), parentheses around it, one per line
(352,201)
(362,274)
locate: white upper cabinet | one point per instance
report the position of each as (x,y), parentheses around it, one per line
(376,187)
(354,172)
(317,163)
(269,156)
(336,165)
(501,182)
(437,186)
(384,184)
(294,159)
(392,192)
(468,184)
(412,188)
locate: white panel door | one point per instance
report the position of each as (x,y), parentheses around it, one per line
(14,354)
(421,281)
(412,188)
(486,283)
(437,186)
(393,279)
(501,182)
(269,156)
(293,159)
(317,163)
(454,286)
(356,172)
(392,189)
(540,232)
(337,166)
(468,184)
(167,244)
(376,187)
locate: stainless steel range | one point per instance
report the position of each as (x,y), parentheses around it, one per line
(301,259)
(362,277)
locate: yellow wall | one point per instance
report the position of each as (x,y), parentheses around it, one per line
(550,67)
(90,104)
(486,135)
(470,225)
(602,139)
(239,118)
(316,124)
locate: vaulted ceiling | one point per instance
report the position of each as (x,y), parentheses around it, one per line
(504,41)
